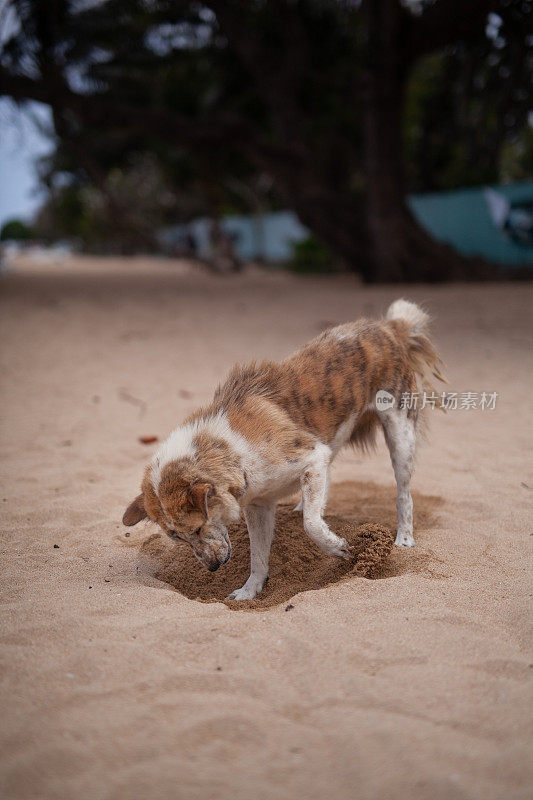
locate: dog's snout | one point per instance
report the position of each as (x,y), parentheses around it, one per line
(213,565)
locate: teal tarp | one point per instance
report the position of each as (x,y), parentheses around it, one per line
(463,219)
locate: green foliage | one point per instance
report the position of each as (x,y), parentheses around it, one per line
(311,256)
(174,57)
(517,158)
(466,111)
(17,230)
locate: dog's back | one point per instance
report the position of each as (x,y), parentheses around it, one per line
(335,376)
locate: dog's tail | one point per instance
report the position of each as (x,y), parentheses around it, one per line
(422,354)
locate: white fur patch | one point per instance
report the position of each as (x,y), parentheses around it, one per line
(341,333)
(180,443)
(410,313)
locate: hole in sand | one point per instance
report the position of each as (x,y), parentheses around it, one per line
(364,513)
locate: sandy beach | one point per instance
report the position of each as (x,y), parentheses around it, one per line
(115,686)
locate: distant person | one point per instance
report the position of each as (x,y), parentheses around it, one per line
(191,245)
(223,256)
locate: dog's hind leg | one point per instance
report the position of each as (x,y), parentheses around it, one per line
(315,486)
(260,522)
(400,435)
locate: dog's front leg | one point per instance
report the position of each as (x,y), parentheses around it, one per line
(300,505)
(260,522)
(315,484)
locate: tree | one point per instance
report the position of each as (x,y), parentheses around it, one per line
(312,93)
(15,229)
(467,107)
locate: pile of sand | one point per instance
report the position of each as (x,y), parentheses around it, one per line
(296,563)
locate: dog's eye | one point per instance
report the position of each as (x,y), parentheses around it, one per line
(197,531)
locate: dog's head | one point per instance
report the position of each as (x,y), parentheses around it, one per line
(189,508)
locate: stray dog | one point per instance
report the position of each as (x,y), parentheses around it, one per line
(273,428)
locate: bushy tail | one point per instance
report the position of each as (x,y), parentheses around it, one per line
(423,356)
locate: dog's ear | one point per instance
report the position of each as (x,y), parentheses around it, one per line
(237,491)
(135,512)
(199,494)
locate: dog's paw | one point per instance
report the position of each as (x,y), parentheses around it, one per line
(404,540)
(340,549)
(246,592)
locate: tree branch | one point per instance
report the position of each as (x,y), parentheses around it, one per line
(278,72)
(97,109)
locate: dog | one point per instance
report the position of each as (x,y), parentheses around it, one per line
(273,428)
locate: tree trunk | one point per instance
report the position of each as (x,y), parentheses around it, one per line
(377,236)
(400,250)
(340,223)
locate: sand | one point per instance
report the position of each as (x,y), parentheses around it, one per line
(296,563)
(415,683)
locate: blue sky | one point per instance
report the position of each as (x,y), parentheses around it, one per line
(21,143)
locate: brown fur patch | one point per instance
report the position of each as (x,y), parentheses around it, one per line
(216,466)
(315,389)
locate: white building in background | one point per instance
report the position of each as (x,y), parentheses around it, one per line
(494,222)
(267,237)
